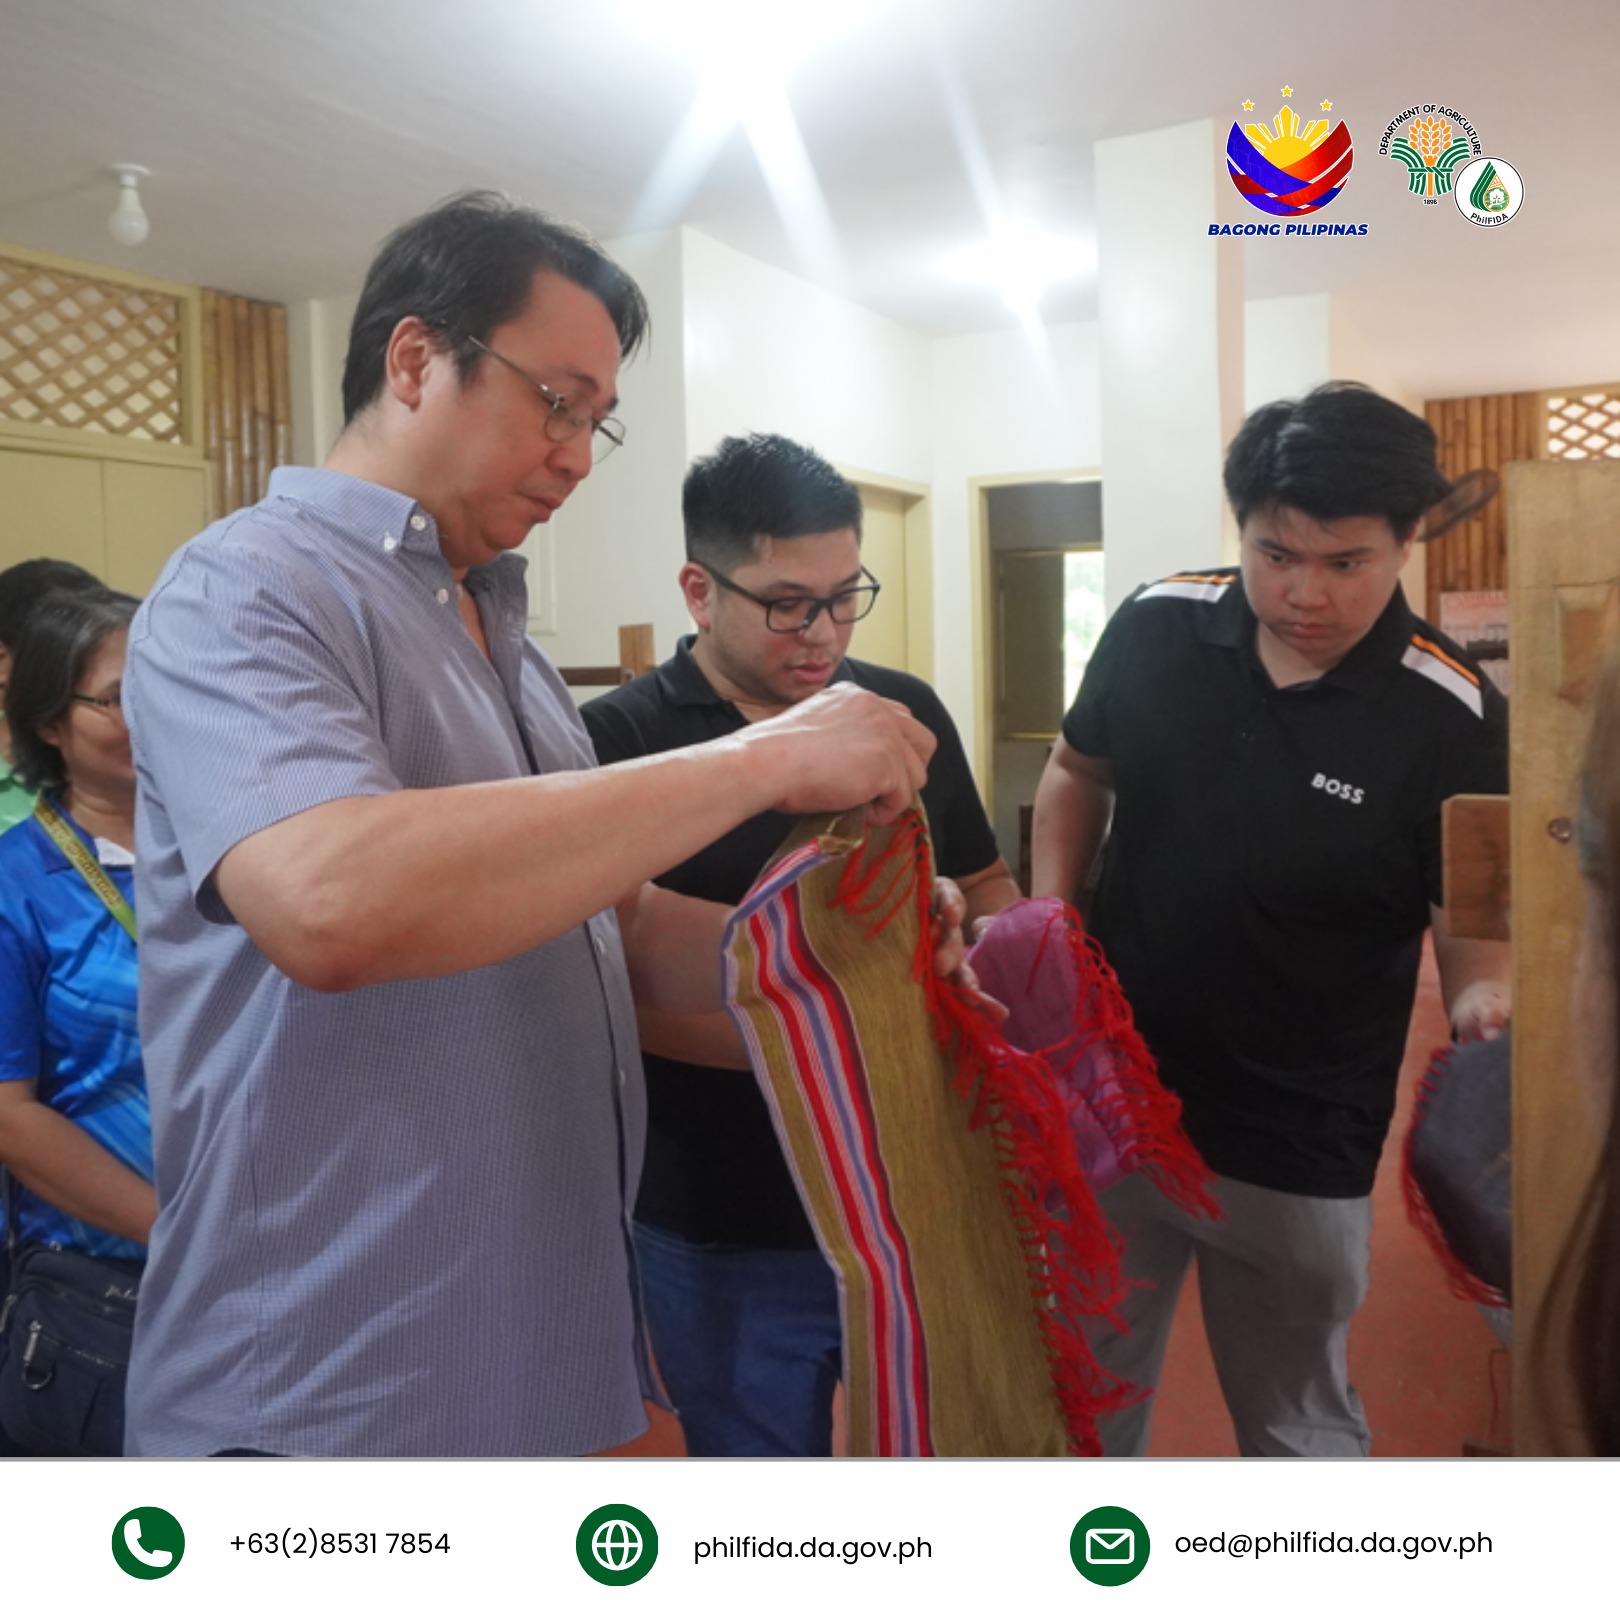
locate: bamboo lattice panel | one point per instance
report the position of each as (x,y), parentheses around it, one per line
(94,355)
(1488,430)
(1583,426)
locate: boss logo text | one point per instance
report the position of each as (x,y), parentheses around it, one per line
(1339,790)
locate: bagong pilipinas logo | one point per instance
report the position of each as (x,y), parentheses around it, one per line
(1435,142)
(1289,169)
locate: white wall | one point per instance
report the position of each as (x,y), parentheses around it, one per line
(616,546)
(1170,350)
(1287,348)
(317,341)
(767,352)
(1003,404)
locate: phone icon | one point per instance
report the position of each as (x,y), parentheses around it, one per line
(161,1559)
(148,1543)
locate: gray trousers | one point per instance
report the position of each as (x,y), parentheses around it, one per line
(1279,1279)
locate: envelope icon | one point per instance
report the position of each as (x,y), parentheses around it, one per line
(1110,1546)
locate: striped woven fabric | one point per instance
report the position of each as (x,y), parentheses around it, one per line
(938,1164)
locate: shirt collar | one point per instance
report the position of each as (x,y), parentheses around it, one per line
(682,683)
(1366,669)
(392,524)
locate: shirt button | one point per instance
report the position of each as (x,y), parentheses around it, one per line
(621,1079)
(442,594)
(390,542)
(418,522)
(601,948)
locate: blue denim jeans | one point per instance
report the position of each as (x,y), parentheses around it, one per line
(748,1342)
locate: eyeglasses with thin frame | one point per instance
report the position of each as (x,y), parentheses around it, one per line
(108,705)
(563,421)
(793,615)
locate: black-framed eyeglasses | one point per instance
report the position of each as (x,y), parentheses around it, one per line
(107,705)
(793,615)
(564,421)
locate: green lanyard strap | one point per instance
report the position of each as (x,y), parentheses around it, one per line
(85,864)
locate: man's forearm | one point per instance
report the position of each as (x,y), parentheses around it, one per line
(672,945)
(1072,812)
(709,1039)
(989,897)
(421,883)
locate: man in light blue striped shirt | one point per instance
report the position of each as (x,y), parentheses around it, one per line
(389,910)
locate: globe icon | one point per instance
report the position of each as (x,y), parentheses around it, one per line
(616,1544)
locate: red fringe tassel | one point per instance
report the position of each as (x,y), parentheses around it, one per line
(1462,1282)
(1072,1257)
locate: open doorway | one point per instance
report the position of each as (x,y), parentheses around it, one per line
(1044,547)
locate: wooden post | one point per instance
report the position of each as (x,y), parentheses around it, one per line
(1563,517)
(636,655)
(213,447)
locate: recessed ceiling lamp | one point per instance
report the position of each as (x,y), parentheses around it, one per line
(1022,262)
(128,222)
(735,39)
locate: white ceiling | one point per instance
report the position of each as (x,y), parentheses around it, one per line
(287,136)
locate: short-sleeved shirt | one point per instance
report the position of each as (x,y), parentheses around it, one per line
(715,1172)
(67,1016)
(1273,858)
(393,1221)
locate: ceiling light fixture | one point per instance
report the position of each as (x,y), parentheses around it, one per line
(738,39)
(128,222)
(1022,262)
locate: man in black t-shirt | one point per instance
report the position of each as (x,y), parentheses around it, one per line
(742,1307)
(1273,745)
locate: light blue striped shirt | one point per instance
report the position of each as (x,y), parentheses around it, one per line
(394,1221)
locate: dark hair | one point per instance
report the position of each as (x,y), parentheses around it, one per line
(1583,1301)
(24,584)
(1341,451)
(48,663)
(758,486)
(466,267)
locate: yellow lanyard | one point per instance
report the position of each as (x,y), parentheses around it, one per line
(85,864)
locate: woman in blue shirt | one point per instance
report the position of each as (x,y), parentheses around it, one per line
(75,1135)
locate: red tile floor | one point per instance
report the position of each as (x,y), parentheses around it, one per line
(1430,1371)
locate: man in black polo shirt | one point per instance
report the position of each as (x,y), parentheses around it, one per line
(1273,744)
(742,1307)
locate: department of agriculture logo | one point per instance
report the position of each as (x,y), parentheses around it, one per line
(148,1543)
(616,1544)
(1433,142)
(1289,168)
(1110,1546)
(1489,191)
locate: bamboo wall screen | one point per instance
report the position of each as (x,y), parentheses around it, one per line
(247,396)
(1488,430)
(90,355)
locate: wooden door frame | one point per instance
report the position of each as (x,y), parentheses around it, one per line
(917,521)
(982,584)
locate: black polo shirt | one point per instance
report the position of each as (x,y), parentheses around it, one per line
(714,1172)
(1273,858)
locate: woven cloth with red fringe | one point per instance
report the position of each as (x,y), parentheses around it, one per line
(1457,1167)
(947,1164)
